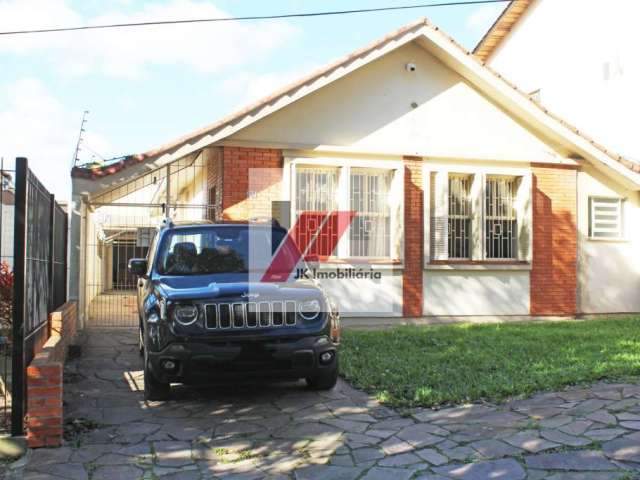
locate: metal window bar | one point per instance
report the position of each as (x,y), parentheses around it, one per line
(459,218)
(316,191)
(369,198)
(500,218)
(605,218)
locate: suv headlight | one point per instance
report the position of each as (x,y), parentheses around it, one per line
(310,309)
(185,314)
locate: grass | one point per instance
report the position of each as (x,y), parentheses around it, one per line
(447,364)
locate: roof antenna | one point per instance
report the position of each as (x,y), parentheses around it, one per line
(75,154)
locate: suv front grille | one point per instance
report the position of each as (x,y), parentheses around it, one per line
(250,314)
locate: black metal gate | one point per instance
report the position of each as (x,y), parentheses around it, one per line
(33,279)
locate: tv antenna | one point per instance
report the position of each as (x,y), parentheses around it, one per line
(75,154)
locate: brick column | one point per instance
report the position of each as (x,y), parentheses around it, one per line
(555,239)
(412,293)
(237,181)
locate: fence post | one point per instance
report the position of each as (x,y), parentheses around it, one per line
(18,382)
(52,239)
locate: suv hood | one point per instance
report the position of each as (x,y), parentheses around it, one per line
(203,287)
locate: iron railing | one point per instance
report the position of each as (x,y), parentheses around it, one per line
(39,266)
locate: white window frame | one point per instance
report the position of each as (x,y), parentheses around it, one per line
(396,197)
(478,260)
(621,219)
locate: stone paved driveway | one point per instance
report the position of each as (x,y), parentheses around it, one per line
(284,431)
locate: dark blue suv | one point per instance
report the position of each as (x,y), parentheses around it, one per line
(208,311)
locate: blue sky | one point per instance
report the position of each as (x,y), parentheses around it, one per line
(146,86)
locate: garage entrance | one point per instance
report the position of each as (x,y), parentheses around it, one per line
(121,223)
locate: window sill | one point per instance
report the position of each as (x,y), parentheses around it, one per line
(361,263)
(481,266)
(608,240)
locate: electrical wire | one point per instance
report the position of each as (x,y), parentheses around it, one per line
(254,17)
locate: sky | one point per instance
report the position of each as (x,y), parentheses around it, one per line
(146,86)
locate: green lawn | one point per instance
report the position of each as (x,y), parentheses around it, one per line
(444,364)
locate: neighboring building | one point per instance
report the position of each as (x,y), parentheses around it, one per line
(466,192)
(579,59)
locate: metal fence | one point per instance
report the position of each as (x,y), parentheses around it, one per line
(34,230)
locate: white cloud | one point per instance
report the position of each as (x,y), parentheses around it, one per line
(36,125)
(483,17)
(129,52)
(251,86)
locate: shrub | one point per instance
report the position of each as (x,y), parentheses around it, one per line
(6,296)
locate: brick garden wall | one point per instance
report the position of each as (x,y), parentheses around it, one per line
(554,264)
(412,292)
(45,381)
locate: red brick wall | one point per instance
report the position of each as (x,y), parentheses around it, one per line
(412,293)
(554,265)
(247,194)
(45,381)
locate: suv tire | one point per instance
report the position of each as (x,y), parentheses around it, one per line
(153,389)
(326,380)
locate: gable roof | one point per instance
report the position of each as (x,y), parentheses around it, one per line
(443,47)
(503,25)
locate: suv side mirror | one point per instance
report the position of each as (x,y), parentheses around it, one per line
(138,266)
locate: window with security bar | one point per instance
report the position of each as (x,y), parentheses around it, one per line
(605,218)
(316,197)
(500,218)
(369,234)
(459,218)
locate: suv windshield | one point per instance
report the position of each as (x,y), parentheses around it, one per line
(221,249)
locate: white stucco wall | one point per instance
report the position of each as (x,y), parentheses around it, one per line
(371,109)
(454,293)
(366,297)
(609,271)
(582,55)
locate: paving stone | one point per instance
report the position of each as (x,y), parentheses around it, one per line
(589,460)
(394,424)
(464,453)
(380,473)
(69,471)
(452,415)
(555,422)
(327,472)
(631,425)
(307,430)
(382,434)
(400,460)
(494,448)
(576,428)
(116,472)
(342,460)
(420,435)
(624,449)
(362,455)
(432,456)
(602,416)
(347,425)
(395,445)
(172,453)
(530,441)
(608,394)
(564,439)
(504,469)
(604,434)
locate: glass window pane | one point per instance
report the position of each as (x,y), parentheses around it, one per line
(459,217)
(500,217)
(370,230)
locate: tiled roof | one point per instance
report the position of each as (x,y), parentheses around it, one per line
(102,171)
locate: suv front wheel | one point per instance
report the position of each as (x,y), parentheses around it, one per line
(326,380)
(153,389)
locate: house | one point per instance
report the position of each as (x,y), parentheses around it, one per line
(469,197)
(587,71)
